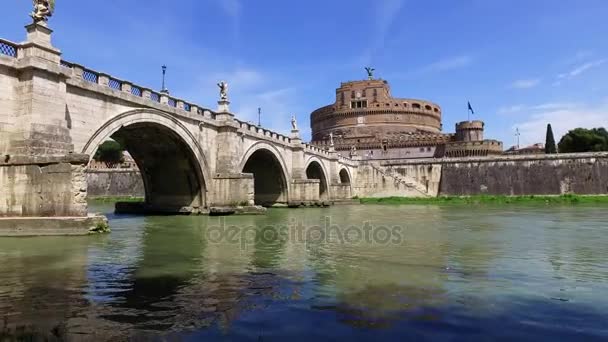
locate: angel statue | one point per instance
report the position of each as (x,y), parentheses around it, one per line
(223,90)
(294,123)
(331,138)
(43,9)
(370,72)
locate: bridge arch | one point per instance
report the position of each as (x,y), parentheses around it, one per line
(271,180)
(316,170)
(345,177)
(172,163)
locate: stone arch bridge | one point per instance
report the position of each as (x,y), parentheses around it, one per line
(54,115)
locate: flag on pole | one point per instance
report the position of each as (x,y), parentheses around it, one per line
(471,108)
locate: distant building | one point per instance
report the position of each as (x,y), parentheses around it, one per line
(365,119)
(532,149)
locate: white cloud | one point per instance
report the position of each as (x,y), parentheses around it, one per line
(581,69)
(526,83)
(386,11)
(277,106)
(562,117)
(447,64)
(519,109)
(233,9)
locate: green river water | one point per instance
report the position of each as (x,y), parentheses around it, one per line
(412,272)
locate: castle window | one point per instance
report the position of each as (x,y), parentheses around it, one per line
(404,104)
(342,99)
(427,107)
(352,94)
(436,110)
(358,104)
(364,93)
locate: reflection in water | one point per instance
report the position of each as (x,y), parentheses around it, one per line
(517,273)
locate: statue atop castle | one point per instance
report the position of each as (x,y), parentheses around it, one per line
(370,72)
(43,9)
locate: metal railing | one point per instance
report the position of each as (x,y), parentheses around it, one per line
(155,97)
(8,48)
(90,76)
(136,91)
(117,84)
(114,84)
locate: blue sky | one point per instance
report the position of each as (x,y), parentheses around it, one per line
(521,63)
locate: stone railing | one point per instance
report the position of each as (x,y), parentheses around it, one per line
(346,160)
(8,48)
(250,127)
(135,90)
(315,149)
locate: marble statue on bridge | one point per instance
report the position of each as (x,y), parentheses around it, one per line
(43,9)
(294,123)
(223,85)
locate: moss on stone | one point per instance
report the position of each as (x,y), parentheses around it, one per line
(101,227)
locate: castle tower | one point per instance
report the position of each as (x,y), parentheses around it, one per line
(468,131)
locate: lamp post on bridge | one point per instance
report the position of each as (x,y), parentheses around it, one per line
(163,89)
(259,117)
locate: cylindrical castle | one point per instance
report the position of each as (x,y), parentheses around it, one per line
(367,109)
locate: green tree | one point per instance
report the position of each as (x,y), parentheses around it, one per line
(584,140)
(550,141)
(110,152)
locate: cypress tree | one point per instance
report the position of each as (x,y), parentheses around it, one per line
(550,147)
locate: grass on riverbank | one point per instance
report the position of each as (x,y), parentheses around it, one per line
(112,199)
(485,199)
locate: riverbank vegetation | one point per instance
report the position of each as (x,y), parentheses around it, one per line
(487,199)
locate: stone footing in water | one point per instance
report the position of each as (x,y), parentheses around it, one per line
(141,208)
(245,210)
(53,226)
(309,204)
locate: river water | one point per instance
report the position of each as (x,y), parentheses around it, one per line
(353,272)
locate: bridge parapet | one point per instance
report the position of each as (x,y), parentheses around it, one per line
(315,150)
(255,130)
(117,84)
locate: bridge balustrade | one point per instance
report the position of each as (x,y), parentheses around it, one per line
(8,48)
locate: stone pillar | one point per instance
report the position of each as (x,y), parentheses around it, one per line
(297,148)
(231,187)
(43,187)
(40,123)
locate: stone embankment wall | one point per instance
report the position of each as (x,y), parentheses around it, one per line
(584,174)
(110,183)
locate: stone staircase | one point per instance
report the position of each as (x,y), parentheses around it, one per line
(409,182)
